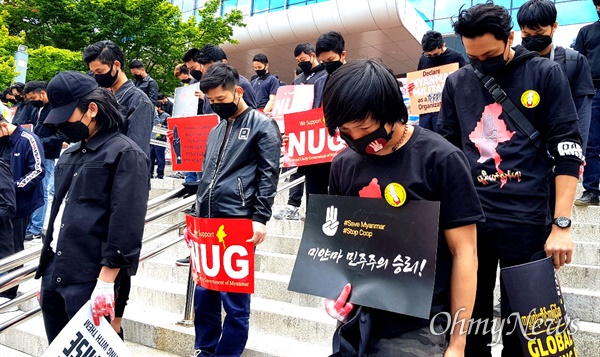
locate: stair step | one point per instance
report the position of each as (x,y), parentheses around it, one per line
(589,214)
(579,276)
(587,253)
(582,304)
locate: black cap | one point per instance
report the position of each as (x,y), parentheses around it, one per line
(64,92)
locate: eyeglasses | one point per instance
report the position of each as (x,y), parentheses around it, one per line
(424,54)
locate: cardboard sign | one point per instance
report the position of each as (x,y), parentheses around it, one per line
(534,293)
(388,254)
(292,99)
(220,258)
(426,97)
(186,102)
(308,140)
(190,136)
(82,338)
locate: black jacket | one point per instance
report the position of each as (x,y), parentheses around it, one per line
(149,86)
(51,139)
(240,169)
(8,208)
(104,186)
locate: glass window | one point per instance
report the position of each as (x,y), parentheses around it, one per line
(424,8)
(576,12)
(228,5)
(276,5)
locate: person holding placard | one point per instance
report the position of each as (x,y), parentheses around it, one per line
(363,101)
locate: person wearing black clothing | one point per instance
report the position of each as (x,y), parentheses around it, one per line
(26,113)
(97,217)
(157,153)
(143,81)
(264,84)
(362,100)
(588,44)
(510,173)
(165,104)
(52,141)
(8,208)
(435,53)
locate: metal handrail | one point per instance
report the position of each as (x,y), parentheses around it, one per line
(20,258)
(18,300)
(167,196)
(288,173)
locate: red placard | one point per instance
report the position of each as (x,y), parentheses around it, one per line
(220,257)
(292,99)
(308,140)
(190,135)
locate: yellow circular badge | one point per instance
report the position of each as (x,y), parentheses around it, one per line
(395,195)
(530,99)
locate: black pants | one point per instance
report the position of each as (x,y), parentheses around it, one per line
(429,121)
(510,244)
(19,231)
(157,155)
(316,181)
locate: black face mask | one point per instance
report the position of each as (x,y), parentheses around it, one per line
(18,98)
(330,67)
(536,43)
(261,72)
(37,103)
(490,66)
(305,66)
(186,80)
(196,74)
(138,77)
(369,144)
(74,132)
(106,80)
(225,110)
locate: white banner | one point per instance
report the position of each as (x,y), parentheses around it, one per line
(82,338)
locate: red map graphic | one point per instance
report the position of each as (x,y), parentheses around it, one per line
(489,132)
(372,190)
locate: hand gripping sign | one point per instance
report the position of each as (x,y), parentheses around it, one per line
(220,257)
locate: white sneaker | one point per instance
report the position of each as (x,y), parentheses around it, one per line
(289,212)
(4,300)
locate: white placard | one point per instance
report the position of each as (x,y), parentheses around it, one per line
(186,103)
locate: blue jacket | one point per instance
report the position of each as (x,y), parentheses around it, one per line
(25,153)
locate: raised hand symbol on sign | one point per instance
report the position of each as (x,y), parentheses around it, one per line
(376,146)
(331,223)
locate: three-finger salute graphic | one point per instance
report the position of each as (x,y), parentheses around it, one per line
(331,223)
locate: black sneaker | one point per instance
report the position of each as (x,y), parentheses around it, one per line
(588,199)
(184,262)
(31,236)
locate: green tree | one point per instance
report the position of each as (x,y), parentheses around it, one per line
(8,46)
(46,61)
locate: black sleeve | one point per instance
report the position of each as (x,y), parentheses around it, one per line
(249,94)
(267,176)
(421,64)
(8,201)
(582,79)
(461,60)
(153,91)
(580,43)
(333,178)
(448,125)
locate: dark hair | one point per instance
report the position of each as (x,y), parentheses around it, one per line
(220,74)
(536,13)
(160,96)
(191,55)
(432,40)
(34,86)
(484,18)
(18,86)
(331,41)
(107,52)
(597,2)
(359,90)
(306,48)
(184,70)
(211,53)
(109,117)
(136,64)
(260,57)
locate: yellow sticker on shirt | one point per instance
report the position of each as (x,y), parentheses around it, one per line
(395,194)
(530,99)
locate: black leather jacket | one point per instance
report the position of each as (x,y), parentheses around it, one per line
(240,169)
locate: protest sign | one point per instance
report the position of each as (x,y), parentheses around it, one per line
(388,254)
(82,338)
(186,102)
(220,257)
(189,141)
(534,293)
(426,97)
(292,99)
(308,140)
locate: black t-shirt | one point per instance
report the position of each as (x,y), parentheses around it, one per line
(588,44)
(429,168)
(449,56)
(510,174)
(263,87)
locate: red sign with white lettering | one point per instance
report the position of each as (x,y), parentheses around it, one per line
(292,99)
(220,257)
(308,140)
(190,135)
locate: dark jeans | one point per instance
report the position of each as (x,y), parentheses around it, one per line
(591,173)
(157,155)
(19,231)
(213,338)
(60,303)
(510,244)
(429,121)
(416,343)
(316,181)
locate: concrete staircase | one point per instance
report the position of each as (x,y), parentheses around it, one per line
(285,323)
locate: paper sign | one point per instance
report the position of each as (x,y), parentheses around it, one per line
(292,99)
(308,140)
(388,254)
(220,257)
(186,103)
(82,338)
(190,136)
(426,97)
(534,293)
